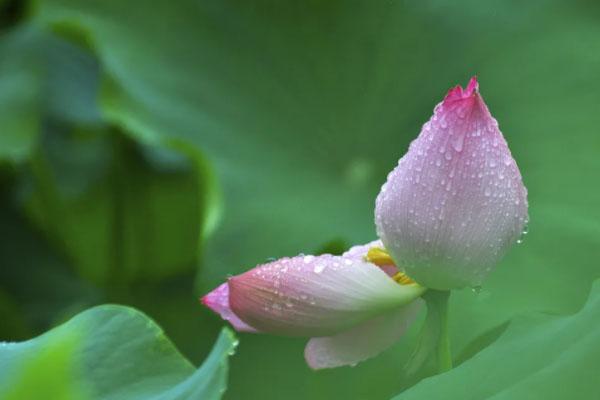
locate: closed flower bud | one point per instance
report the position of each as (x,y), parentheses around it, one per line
(456,201)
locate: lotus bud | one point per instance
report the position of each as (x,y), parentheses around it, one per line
(456,201)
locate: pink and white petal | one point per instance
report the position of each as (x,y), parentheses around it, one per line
(218,301)
(456,201)
(363,341)
(359,252)
(315,295)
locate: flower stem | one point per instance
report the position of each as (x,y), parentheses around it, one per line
(437,310)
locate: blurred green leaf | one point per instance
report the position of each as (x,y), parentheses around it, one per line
(13,321)
(37,281)
(20,87)
(42,77)
(121,211)
(304,107)
(538,357)
(138,219)
(110,352)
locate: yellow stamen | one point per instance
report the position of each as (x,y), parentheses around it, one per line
(379,257)
(402,279)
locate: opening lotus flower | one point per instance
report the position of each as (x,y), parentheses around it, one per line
(353,306)
(445,216)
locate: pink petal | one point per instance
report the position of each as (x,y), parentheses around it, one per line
(363,341)
(315,296)
(456,201)
(218,301)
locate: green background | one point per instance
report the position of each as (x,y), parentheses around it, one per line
(150,149)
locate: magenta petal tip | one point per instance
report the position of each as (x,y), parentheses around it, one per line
(472,87)
(218,301)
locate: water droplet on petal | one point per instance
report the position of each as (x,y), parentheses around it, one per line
(319,268)
(458,142)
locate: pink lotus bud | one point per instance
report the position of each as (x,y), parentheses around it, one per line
(456,202)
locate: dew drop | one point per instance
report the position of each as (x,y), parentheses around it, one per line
(524,232)
(458,142)
(319,268)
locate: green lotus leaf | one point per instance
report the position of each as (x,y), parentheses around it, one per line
(110,352)
(540,356)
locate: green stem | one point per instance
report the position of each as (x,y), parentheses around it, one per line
(437,310)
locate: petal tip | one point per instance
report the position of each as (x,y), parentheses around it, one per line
(207,301)
(218,302)
(458,93)
(472,87)
(310,359)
